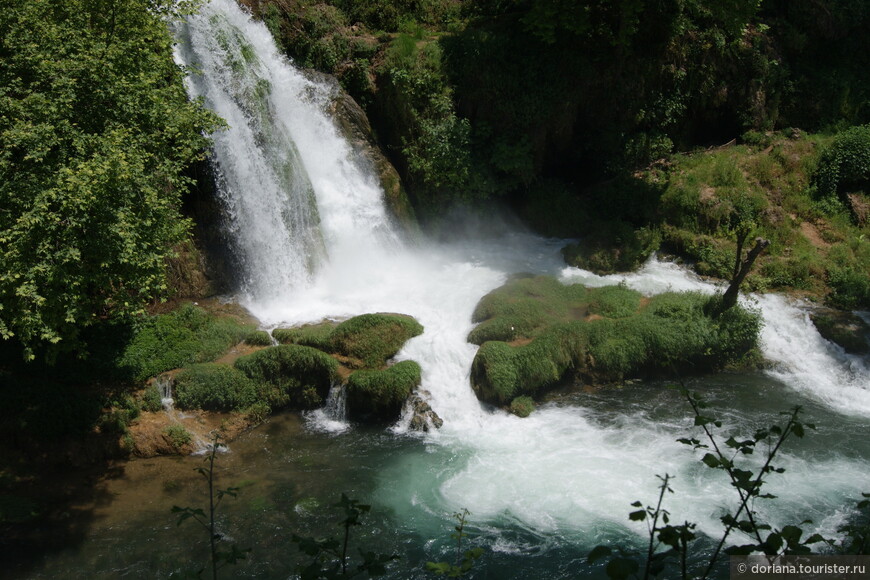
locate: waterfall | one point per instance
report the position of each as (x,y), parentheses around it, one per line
(164,387)
(332,417)
(316,242)
(801,358)
(290,187)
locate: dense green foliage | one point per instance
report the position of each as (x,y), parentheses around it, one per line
(844,167)
(95,133)
(259,338)
(297,375)
(182,337)
(381,393)
(620,338)
(213,387)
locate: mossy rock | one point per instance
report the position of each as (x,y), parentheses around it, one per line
(844,329)
(314,335)
(622,336)
(380,394)
(367,340)
(523,307)
(522,406)
(373,338)
(500,372)
(291,374)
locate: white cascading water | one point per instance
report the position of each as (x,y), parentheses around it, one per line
(267,164)
(561,469)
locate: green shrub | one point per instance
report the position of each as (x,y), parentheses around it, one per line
(757,139)
(801,272)
(115,421)
(258,412)
(681,204)
(850,287)
(373,338)
(849,273)
(382,393)
(500,372)
(178,436)
(290,374)
(845,165)
(522,406)
(152,399)
(712,256)
(214,387)
(187,335)
(494,374)
(259,338)
(616,348)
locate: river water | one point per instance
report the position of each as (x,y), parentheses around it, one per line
(313,240)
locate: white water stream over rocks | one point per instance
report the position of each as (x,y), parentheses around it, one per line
(316,241)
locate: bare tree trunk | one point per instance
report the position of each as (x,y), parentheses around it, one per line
(729,299)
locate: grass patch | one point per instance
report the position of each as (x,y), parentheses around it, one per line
(381,393)
(614,301)
(185,336)
(523,307)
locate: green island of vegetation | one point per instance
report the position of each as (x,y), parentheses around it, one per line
(536,333)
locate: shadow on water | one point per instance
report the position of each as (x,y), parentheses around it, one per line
(56,445)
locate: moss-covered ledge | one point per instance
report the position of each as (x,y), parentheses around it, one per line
(535,333)
(364,341)
(362,346)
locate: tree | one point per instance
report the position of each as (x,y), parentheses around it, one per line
(95,133)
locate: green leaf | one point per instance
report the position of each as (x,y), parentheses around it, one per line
(637,516)
(711,460)
(792,534)
(597,553)
(621,568)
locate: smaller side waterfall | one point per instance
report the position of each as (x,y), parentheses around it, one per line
(164,387)
(332,417)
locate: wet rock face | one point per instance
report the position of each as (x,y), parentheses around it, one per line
(354,125)
(844,329)
(424,417)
